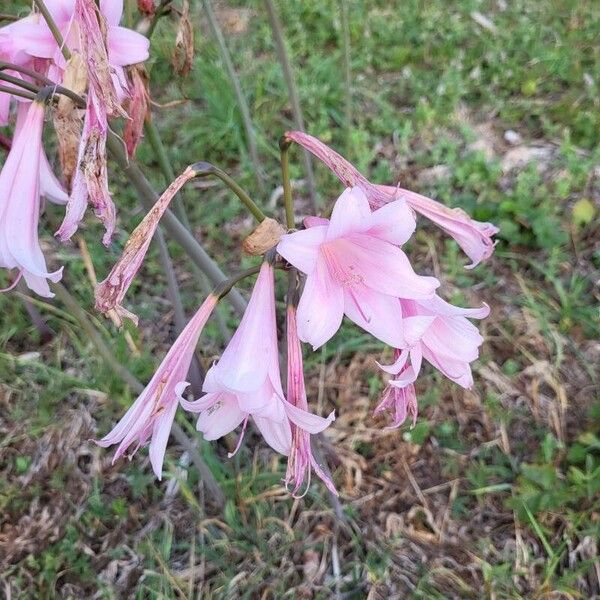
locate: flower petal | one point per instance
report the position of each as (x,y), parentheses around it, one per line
(306,420)
(379,314)
(160,436)
(321,308)
(221,419)
(126,47)
(112,11)
(301,248)
(382,267)
(277,435)
(394,222)
(351,214)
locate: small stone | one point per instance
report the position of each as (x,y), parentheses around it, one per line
(512,137)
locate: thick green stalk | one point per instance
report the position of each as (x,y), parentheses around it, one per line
(288,199)
(290,81)
(237,88)
(19,82)
(109,358)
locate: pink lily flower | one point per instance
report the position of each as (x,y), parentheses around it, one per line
(245,382)
(300,458)
(152,414)
(354,267)
(125,46)
(20,206)
(440,333)
(474,237)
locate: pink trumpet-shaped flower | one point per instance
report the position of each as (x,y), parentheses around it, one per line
(354,267)
(20,206)
(151,415)
(300,458)
(32,35)
(440,333)
(474,237)
(245,382)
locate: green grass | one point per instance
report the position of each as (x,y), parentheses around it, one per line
(510,472)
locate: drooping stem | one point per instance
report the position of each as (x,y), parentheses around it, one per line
(53,28)
(347,71)
(109,358)
(171,223)
(205,169)
(288,199)
(290,82)
(237,88)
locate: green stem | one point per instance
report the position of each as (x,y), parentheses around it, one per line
(53,28)
(290,82)
(19,82)
(20,93)
(287,186)
(237,88)
(204,169)
(170,222)
(116,367)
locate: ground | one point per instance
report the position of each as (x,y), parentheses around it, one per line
(487,105)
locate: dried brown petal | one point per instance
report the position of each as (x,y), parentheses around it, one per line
(137,107)
(183,53)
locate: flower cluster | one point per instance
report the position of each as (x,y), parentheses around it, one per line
(352,264)
(98,49)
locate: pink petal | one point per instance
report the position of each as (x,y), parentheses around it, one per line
(244,365)
(112,11)
(221,419)
(160,436)
(126,47)
(397,365)
(351,214)
(416,327)
(34,38)
(307,421)
(301,247)
(277,435)
(314,221)
(379,314)
(50,187)
(394,222)
(321,308)
(382,267)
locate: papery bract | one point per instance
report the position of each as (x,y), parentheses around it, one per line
(354,266)
(246,382)
(20,206)
(474,237)
(151,415)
